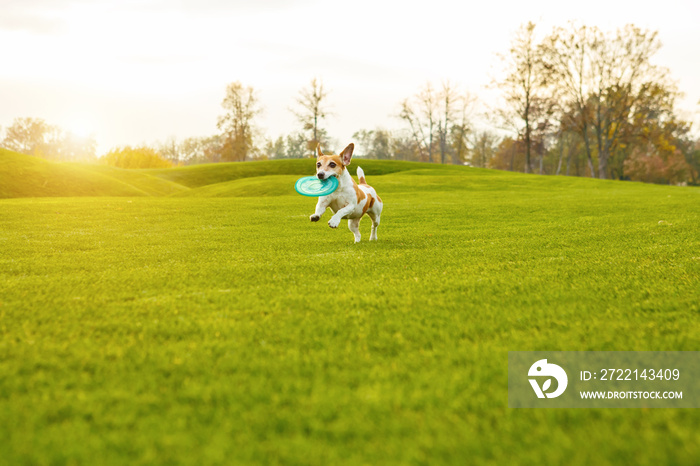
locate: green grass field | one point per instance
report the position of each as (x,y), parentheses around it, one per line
(196,316)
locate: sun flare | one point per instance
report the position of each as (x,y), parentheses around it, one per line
(81,128)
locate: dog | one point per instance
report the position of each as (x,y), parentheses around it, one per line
(351,200)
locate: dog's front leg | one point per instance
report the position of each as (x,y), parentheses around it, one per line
(335,220)
(321,207)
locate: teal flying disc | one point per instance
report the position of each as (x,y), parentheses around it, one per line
(313,187)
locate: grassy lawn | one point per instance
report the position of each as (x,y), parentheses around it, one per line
(217,325)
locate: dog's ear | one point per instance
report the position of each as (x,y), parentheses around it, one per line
(318,150)
(346,155)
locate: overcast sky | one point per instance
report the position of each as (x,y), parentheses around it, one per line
(141,71)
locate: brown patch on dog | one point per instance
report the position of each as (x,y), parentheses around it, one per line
(368,204)
(358,192)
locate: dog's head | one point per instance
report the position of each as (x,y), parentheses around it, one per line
(332,165)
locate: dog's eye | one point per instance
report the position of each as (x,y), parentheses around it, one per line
(332,164)
(318,164)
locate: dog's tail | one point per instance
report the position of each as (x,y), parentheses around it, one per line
(361,176)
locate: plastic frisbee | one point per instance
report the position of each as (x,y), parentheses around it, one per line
(313,187)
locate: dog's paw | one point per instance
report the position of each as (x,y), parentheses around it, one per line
(314,218)
(333,223)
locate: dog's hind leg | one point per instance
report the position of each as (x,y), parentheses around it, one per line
(375,223)
(354,225)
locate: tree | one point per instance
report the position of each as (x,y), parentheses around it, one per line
(202,150)
(605,77)
(461,128)
(654,144)
(420,112)
(135,157)
(509,154)
(568,144)
(30,136)
(275,149)
(405,146)
(449,100)
(692,157)
(434,119)
(33,136)
(171,150)
(238,130)
(622,72)
(71,147)
(376,143)
(651,127)
(484,147)
(296,146)
(664,168)
(363,142)
(565,53)
(311,101)
(527,93)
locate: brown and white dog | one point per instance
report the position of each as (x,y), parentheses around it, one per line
(351,200)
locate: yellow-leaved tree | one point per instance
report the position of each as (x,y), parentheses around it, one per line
(135,157)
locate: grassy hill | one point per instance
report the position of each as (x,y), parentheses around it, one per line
(138,179)
(25,176)
(207,174)
(217,325)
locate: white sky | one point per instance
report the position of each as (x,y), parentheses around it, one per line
(141,71)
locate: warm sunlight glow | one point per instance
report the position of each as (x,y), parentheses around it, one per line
(81,128)
(150,70)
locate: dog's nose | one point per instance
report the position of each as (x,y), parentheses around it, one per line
(321,175)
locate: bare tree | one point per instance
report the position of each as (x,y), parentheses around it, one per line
(604,76)
(409,115)
(376,143)
(484,145)
(420,112)
(461,127)
(311,102)
(566,57)
(170,149)
(527,93)
(242,106)
(449,100)
(623,73)
(435,118)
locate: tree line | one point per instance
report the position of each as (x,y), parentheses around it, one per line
(239,138)
(575,101)
(33,136)
(595,101)
(579,101)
